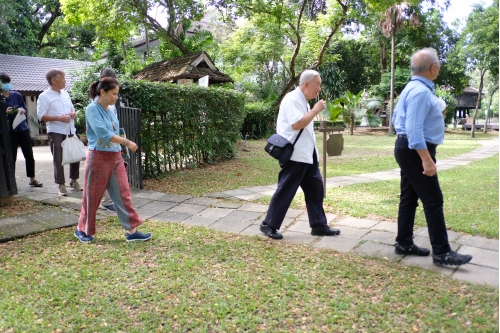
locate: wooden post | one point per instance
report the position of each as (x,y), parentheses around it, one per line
(324,130)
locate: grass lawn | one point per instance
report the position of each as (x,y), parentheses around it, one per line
(362,153)
(193,279)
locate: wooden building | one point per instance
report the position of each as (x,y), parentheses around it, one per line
(465,102)
(187,69)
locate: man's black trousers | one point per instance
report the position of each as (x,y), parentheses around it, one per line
(23,139)
(415,185)
(291,176)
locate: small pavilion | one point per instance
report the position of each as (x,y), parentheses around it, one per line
(187,69)
(465,102)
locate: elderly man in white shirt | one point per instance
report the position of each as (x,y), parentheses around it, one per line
(303,168)
(54,106)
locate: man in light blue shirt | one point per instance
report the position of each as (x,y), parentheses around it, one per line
(419,126)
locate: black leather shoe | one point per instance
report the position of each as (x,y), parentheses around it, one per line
(270,232)
(451,258)
(411,249)
(325,231)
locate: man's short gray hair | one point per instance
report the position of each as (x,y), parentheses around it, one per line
(307,76)
(52,74)
(422,60)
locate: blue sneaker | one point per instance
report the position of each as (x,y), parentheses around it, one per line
(110,207)
(138,236)
(82,237)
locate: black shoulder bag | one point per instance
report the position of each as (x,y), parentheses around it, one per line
(280,148)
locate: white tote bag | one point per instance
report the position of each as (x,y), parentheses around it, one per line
(73,149)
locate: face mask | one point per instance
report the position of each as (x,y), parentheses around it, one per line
(6,86)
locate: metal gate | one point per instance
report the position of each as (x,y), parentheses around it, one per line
(130,120)
(8,186)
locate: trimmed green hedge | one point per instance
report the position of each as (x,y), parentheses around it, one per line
(182,126)
(259,121)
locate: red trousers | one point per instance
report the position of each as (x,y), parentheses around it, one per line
(106,170)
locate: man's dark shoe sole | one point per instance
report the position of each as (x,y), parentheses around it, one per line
(269,232)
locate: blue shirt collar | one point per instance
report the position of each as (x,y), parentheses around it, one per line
(424,80)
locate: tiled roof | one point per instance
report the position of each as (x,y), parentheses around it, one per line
(28,73)
(189,66)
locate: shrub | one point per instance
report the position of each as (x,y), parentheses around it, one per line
(260,120)
(450,104)
(182,126)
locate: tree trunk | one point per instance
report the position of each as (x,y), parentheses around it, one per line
(485,129)
(351,121)
(393,54)
(383,55)
(54,13)
(473,128)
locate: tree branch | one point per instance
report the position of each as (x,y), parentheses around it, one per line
(45,27)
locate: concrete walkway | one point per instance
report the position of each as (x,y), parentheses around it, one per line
(365,237)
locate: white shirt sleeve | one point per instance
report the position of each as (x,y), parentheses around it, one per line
(42,106)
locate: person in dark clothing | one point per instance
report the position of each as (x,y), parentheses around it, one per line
(19,135)
(302,170)
(419,124)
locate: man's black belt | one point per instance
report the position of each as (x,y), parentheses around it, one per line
(402,136)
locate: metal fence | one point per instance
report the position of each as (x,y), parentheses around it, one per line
(130,120)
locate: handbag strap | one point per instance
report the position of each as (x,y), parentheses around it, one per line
(298,136)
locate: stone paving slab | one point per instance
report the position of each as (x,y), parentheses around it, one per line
(171,216)
(477,275)
(38,196)
(154,208)
(300,226)
(7,222)
(337,243)
(236,193)
(139,202)
(425,242)
(298,237)
(480,242)
(253,230)
(383,237)
(376,250)
(424,232)
(351,232)
(294,213)
(481,257)
(426,263)
(201,201)
(251,196)
(147,194)
(254,207)
(260,189)
(20,230)
(386,226)
(215,212)
(233,226)
(218,195)
(174,197)
(198,220)
(269,193)
(330,218)
(70,202)
(187,208)
(227,204)
(355,222)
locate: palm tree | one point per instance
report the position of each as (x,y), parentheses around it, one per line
(394,20)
